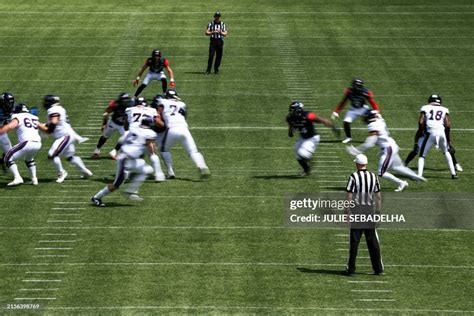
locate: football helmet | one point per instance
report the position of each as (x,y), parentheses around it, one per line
(7,101)
(296,107)
(49,100)
(370,116)
(21,108)
(357,84)
(140,101)
(156,53)
(123,99)
(435,98)
(172,94)
(157,100)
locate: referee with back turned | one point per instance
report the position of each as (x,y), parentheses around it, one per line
(363,187)
(216,30)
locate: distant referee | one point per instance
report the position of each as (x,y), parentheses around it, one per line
(362,187)
(216,30)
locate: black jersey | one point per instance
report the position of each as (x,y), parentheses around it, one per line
(118,112)
(303,122)
(156,66)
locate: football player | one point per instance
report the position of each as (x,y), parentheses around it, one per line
(115,123)
(173,111)
(65,138)
(434,122)
(7,102)
(389,157)
(358,95)
(29,142)
(138,140)
(156,63)
(302,121)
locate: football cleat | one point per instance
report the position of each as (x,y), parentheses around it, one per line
(454,176)
(97,202)
(82,139)
(15,182)
(459,168)
(86,174)
(402,186)
(160,177)
(34,181)
(95,156)
(205,173)
(61,176)
(134,197)
(347,140)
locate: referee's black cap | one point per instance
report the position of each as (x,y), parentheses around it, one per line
(217,14)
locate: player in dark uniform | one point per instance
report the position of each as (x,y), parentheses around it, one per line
(303,122)
(156,64)
(116,122)
(7,103)
(359,96)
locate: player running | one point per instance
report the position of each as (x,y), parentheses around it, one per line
(7,102)
(434,122)
(65,138)
(302,121)
(358,96)
(118,117)
(389,157)
(156,63)
(139,139)
(29,143)
(173,111)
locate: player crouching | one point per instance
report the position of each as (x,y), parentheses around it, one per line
(135,142)
(302,121)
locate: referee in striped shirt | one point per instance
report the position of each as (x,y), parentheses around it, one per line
(363,187)
(216,30)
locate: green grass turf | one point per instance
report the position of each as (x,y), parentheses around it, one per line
(219,246)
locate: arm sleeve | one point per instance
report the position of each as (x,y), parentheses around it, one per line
(350,184)
(111,106)
(166,63)
(341,104)
(377,183)
(372,101)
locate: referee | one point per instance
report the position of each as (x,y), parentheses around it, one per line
(363,186)
(216,30)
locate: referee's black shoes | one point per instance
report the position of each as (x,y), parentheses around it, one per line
(348,273)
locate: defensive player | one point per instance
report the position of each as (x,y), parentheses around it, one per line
(302,121)
(389,157)
(434,120)
(29,143)
(156,63)
(118,117)
(173,111)
(135,142)
(65,138)
(358,95)
(7,102)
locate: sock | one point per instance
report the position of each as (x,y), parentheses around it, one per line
(32,166)
(391,177)
(410,157)
(347,129)
(304,163)
(118,146)
(455,161)
(449,159)
(198,159)
(77,161)
(167,158)
(421,165)
(14,169)
(140,89)
(101,142)
(57,164)
(155,162)
(102,193)
(164,85)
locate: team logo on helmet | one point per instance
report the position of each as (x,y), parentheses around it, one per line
(172,94)
(435,98)
(49,100)
(156,53)
(157,100)
(357,84)
(296,107)
(21,108)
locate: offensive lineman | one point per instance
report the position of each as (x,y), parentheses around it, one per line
(116,122)
(359,96)
(173,111)
(29,143)
(434,120)
(306,145)
(7,102)
(65,138)
(389,157)
(156,63)
(135,142)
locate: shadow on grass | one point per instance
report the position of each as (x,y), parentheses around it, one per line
(280,176)
(320,271)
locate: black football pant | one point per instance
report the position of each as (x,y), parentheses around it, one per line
(215,48)
(372,241)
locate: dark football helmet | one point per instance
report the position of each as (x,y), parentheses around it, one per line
(21,108)
(435,98)
(296,107)
(123,99)
(49,100)
(370,116)
(157,100)
(156,53)
(140,101)
(172,94)
(357,84)
(7,101)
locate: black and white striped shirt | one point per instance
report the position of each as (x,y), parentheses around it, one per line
(363,184)
(216,26)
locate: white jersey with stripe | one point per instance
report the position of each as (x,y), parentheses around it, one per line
(173,113)
(435,115)
(135,142)
(62,126)
(136,114)
(384,140)
(27,129)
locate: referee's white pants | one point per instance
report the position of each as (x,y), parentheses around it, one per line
(437,139)
(182,135)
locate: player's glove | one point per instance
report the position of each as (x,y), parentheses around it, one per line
(334,115)
(136,81)
(172,83)
(353,151)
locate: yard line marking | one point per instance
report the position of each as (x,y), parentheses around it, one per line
(69,202)
(53,248)
(37,290)
(40,280)
(375,291)
(65,214)
(374,300)
(54,234)
(342,242)
(64,221)
(53,241)
(367,281)
(34,298)
(45,272)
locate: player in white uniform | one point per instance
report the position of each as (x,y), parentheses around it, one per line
(65,138)
(135,115)
(29,143)
(139,139)
(389,157)
(7,102)
(173,112)
(434,119)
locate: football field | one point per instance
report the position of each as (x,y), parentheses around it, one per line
(220,246)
